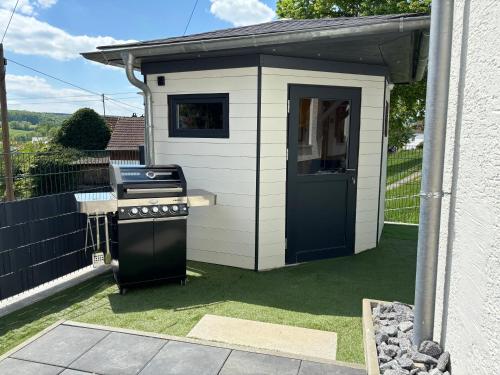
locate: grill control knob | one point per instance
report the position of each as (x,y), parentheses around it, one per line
(134,211)
(155,209)
(175,208)
(164,208)
(145,210)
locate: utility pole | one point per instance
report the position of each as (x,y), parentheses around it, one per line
(7,162)
(103,105)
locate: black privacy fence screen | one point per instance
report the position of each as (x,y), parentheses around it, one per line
(404,173)
(42,236)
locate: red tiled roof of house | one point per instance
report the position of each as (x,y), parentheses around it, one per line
(127,133)
(111,121)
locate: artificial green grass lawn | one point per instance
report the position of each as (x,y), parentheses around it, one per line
(323,295)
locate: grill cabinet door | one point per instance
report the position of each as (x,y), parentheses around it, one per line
(170,248)
(136,252)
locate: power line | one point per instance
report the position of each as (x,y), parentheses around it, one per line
(58,102)
(10,19)
(42,100)
(69,83)
(75,96)
(190,16)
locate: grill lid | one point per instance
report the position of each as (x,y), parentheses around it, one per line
(138,181)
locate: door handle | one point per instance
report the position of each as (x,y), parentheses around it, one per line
(353,179)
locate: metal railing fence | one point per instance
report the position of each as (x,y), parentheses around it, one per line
(402,200)
(42,235)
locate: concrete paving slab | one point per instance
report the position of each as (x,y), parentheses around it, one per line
(314,368)
(240,363)
(64,343)
(119,354)
(74,372)
(179,358)
(287,339)
(11,366)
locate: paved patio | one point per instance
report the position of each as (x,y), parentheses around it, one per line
(74,349)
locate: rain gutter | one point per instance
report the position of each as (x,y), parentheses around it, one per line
(431,194)
(111,54)
(128,60)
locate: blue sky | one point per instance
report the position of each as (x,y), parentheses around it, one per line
(49,34)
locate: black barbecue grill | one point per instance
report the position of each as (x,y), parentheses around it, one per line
(148,210)
(150,224)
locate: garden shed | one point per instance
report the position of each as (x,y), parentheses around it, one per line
(286,122)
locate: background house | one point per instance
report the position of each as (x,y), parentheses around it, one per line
(127,134)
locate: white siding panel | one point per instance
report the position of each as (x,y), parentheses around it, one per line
(370,148)
(238,163)
(272,175)
(274,110)
(210,149)
(370,136)
(269,149)
(278,96)
(224,259)
(273,124)
(273,136)
(238,248)
(273,200)
(275,83)
(225,233)
(320,74)
(235,137)
(270,262)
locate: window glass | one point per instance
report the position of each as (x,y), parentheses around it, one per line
(323,135)
(199,116)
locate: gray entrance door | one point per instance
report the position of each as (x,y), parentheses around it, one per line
(323,142)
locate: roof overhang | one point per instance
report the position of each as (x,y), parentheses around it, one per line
(399,44)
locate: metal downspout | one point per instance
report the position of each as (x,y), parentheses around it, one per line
(128,60)
(433,166)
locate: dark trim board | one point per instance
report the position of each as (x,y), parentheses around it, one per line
(206,63)
(384,119)
(273,61)
(257,176)
(269,61)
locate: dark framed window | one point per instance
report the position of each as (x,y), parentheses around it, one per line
(199,115)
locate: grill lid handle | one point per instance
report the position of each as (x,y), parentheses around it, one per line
(154,190)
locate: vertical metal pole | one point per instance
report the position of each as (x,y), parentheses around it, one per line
(7,162)
(432,169)
(103,106)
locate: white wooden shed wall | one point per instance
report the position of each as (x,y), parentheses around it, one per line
(274,98)
(225,234)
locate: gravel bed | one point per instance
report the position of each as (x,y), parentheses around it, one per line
(393,323)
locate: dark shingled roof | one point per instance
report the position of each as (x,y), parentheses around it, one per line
(279,26)
(127,133)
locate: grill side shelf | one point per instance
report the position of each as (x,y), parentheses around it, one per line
(201,198)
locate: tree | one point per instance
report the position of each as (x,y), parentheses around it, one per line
(408,100)
(84,130)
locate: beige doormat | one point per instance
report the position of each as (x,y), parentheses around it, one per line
(275,337)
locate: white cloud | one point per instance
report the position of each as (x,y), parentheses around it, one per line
(242,12)
(46,3)
(37,94)
(28,7)
(30,36)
